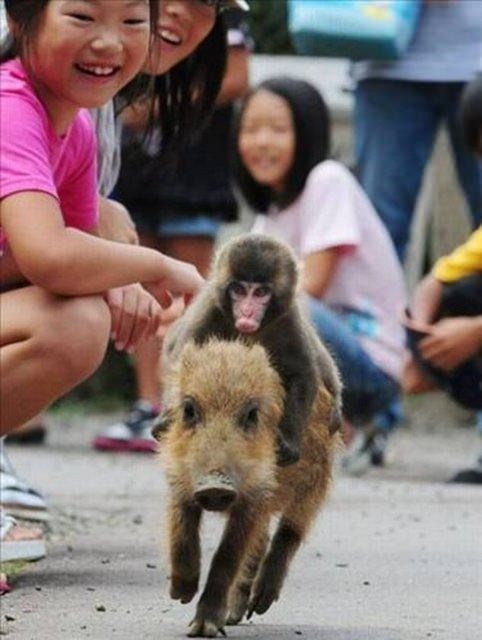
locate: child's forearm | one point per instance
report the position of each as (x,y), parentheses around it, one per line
(426,299)
(478,325)
(102,265)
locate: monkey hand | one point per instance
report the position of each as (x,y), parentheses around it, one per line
(170,314)
(286,453)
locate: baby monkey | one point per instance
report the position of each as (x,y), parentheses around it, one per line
(251,294)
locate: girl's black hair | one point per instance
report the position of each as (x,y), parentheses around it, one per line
(312,141)
(26,15)
(183,98)
(471,114)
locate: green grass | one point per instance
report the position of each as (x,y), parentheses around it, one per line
(12,569)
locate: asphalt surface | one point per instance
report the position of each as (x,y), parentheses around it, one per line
(395,555)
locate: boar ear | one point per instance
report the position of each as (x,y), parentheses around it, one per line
(161,425)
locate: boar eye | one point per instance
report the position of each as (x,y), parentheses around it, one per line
(190,412)
(249,416)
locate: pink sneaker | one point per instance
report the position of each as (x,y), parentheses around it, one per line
(133,433)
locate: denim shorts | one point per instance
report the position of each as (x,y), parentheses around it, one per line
(463,384)
(205,226)
(367,389)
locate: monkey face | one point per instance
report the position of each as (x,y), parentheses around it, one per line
(255,279)
(249,301)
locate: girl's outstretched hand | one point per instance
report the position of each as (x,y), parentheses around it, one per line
(135,313)
(179,279)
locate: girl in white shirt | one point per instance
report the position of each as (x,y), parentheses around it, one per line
(350,271)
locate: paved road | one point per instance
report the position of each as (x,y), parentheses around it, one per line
(396,555)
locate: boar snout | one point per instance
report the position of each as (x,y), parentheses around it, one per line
(215,492)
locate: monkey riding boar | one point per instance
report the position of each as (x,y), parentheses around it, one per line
(220,455)
(251,293)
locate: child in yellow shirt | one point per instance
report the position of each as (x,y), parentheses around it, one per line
(444,325)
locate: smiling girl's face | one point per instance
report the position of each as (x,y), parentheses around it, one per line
(267,139)
(182,26)
(84,51)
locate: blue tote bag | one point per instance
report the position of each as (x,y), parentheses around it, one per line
(356,29)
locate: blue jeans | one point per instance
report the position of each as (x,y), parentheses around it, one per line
(463,384)
(367,389)
(395,127)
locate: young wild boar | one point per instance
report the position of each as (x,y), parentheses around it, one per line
(220,455)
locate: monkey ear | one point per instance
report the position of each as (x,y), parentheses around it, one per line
(161,425)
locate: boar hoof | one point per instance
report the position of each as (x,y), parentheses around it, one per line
(263,597)
(237,608)
(183,590)
(200,628)
(234,618)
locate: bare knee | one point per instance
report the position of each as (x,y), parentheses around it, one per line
(74,335)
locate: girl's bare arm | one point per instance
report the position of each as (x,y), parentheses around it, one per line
(317,272)
(67,261)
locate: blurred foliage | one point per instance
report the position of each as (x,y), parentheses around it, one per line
(268,23)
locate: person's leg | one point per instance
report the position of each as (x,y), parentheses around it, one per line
(48,345)
(197,250)
(462,298)
(366,388)
(32,432)
(133,433)
(469,170)
(367,391)
(395,127)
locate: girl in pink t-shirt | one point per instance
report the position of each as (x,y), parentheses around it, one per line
(62,290)
(350,272)
(81,289)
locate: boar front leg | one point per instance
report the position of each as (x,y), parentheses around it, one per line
(185,550)
(241,590)
(212,606)
(268,584)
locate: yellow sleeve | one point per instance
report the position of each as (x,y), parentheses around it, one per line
(464,261)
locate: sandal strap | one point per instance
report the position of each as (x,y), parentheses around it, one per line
(7,523)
